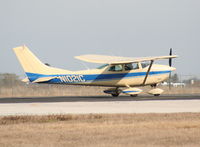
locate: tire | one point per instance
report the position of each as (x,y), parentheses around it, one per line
(133,95)
(115,95)
(156,94)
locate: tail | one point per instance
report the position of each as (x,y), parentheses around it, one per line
(32,65)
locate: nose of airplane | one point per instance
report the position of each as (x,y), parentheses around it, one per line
(172,68)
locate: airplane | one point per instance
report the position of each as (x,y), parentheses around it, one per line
(123,74)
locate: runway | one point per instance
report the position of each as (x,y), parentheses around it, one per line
(99,104)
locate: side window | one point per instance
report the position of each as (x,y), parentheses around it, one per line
(128,66)
(135,66)
(131,66)
(145,64)
(116,68)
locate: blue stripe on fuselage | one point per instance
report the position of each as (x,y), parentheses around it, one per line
(92,77)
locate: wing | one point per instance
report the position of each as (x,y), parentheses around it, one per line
(117,60)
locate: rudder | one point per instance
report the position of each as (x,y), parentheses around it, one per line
(31,64)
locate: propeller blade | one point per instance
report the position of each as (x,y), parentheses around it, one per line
(170,60)
(170,53)
(170,64)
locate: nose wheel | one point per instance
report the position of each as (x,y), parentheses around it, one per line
(156,91)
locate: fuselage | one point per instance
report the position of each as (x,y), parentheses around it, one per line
(106,76)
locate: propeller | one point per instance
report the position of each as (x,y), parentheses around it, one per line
(170,64)
(170,60)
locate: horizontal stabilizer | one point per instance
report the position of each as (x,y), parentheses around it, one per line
(43,79)
(26,80)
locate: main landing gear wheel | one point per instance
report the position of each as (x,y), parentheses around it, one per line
(156,94)
(133,95)
(115,95)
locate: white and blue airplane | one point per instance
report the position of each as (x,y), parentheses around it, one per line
(123,74)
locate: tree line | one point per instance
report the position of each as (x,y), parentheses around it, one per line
(9,80)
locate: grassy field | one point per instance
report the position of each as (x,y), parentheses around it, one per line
(35,90)
(143,130)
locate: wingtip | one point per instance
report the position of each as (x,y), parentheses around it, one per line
(77,57)
(175,56)
(20,47)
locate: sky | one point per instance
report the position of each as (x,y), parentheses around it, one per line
(56,31)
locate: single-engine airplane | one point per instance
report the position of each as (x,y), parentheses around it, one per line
(123,74)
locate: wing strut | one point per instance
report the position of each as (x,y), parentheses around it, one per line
(148,72)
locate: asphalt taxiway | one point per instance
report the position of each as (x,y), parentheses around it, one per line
(99,104)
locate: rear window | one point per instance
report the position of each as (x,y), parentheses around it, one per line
(144,64)
(102,66)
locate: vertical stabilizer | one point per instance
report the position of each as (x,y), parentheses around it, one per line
(31,64)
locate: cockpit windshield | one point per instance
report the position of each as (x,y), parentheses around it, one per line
(144,64)
(102,66)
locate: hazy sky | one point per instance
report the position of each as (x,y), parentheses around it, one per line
(58,30)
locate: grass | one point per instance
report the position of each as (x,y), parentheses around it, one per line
(35,90)
(179,129)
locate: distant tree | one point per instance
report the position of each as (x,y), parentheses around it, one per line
(175,78)
(9,79)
